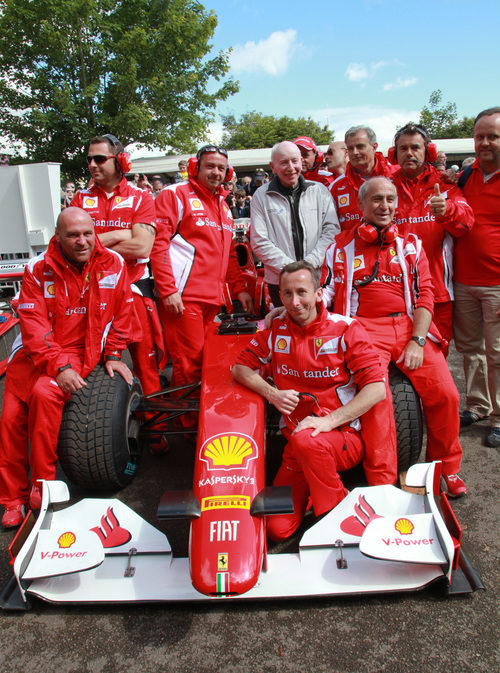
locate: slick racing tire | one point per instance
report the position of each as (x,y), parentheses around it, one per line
(99,445)
(408,417)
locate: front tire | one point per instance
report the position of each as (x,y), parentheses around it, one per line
(99,445)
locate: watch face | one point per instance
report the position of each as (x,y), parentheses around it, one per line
(420,340)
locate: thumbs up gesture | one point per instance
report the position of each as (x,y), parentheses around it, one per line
(438,202)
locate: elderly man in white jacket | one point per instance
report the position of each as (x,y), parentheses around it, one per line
(291,218)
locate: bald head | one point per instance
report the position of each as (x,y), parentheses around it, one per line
(75,235)
(286,163)
(377,201)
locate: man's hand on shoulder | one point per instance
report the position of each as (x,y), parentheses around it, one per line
(70,381)
(273,313)
(173,303)
(121,368)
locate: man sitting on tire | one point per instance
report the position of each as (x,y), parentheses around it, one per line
(315,353)
(75,310)
(383,279)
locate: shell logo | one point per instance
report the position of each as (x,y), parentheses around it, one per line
(196,203)
(90,203)
(228,450)
(51,289)
(281,344)
(404,526)
(340,256)
(344,200)
(66,540)
(357,263)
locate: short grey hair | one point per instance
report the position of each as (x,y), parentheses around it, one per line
(367,184)
(372,138)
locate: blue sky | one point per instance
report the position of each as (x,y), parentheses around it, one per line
(363,61)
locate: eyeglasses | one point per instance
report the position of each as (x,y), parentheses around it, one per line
(99,158)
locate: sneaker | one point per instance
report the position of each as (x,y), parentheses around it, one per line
(493,438)
(36,497)
(13,516)
(469,417)
(455,487)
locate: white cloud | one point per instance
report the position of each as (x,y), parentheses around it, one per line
(400,83)
(358,72)
(384,121)
(271,55)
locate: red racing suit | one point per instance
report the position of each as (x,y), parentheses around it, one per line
(129,205)
(193,254)
(436,233)
(385,307)
(331,359)
(66,317)
(318,174)
(344,190)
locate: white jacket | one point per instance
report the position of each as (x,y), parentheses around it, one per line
(271,231)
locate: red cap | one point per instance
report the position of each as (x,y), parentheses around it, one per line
(306,142)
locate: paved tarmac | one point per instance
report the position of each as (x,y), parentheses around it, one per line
(423,631)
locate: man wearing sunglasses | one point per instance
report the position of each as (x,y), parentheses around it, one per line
(336,158)
(192,259)
(124,220)
(326,375)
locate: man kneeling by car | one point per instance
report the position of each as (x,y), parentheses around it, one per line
(75,310)
(326,375)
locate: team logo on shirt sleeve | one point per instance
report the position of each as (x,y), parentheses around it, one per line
(282,344)
(324,346)
(343,200)
(90,202)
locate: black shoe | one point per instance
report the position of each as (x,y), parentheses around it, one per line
(493,439)
(469,417)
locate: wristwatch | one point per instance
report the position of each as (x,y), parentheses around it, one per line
(61,369)
(419,340)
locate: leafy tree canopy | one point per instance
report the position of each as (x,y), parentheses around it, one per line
(73,69)
(441,120)
(254,130)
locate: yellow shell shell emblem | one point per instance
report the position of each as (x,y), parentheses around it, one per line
(404,526)
(281,344)
(228,450)
(66,540)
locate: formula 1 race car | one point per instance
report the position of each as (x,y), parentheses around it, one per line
(378,539)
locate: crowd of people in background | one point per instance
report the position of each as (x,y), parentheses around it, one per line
(407,248)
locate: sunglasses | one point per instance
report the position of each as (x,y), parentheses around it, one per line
(211,148)
(99,159)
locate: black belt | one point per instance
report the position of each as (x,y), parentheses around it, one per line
(395,315)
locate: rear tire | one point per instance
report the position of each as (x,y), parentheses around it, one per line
(408,417)
(99,445)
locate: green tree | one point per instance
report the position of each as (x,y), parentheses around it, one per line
(72,69)
(254,130)
(441,120)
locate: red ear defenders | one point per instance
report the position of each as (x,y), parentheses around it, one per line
(194,162)
(370,234)
(411,129)
(123,164)
(430,154)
